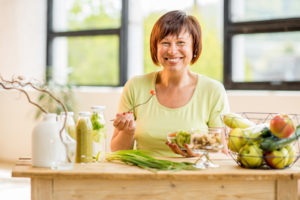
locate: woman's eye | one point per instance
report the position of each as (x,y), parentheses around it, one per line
(181,42)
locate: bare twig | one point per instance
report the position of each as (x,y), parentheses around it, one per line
(21,90)
(19,83)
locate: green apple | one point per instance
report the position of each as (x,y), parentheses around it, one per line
(251,156)
(236,139)
(292,154)
(277,159)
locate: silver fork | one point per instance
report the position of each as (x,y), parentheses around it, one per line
(134,107)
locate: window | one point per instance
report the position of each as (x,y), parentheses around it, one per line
(262,44)
(87,42)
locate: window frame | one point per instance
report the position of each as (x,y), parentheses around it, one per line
(249,27)
(121,32)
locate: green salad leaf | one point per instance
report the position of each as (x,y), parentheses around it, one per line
(95,122)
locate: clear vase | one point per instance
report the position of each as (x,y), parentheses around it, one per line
(69,142)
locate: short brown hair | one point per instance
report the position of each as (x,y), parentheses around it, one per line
(172,23)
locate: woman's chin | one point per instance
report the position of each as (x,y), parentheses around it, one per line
(174,68)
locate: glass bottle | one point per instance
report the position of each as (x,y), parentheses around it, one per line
(68,141)
(84,137)
(69,135)
(99,133)
(70,124)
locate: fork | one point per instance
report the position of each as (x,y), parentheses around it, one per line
(152,92)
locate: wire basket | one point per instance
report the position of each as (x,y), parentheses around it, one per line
(246,137)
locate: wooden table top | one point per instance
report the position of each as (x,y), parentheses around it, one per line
(106,170)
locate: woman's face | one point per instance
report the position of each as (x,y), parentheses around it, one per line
(175,52)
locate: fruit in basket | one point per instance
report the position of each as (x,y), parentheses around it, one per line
(292,154)
(256,133)
(272,143)
(251,156)
(277,159)
(234,120)
(236,139)
(282,126)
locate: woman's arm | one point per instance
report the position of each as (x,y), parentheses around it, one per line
(123,137)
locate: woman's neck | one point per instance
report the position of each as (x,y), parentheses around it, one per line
(175,79)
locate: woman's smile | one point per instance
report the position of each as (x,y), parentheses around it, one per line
(174,60)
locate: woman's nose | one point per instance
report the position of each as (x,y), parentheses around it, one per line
(172,48)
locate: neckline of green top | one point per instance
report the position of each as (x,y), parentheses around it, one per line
(181,107)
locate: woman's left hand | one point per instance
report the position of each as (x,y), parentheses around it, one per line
(177,150)
(224,142)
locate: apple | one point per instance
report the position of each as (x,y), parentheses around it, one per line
(251,156)
(282,126)
(277,159)
(236,139)
(292,153)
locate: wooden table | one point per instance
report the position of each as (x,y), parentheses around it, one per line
(117,181)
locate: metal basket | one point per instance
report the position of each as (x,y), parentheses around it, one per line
(261,118)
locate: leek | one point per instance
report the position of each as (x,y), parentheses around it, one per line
(141,159)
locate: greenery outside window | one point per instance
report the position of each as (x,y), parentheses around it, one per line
(262,44)
(87,42)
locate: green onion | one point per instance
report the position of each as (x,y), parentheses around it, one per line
(141,159)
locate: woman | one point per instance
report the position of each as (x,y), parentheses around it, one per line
(184,100)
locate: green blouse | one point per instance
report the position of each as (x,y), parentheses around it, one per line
(155,121)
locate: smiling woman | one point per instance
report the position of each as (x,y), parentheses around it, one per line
(184,100)
(177,44)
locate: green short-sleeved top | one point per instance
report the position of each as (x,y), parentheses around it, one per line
(155,121)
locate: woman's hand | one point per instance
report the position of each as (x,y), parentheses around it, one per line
(177,150)
(125,122)
(224,142)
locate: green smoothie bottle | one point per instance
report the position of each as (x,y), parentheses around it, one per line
(84,137)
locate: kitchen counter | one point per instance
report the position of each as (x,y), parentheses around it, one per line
(118,181)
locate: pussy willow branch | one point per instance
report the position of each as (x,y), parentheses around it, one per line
(16,83)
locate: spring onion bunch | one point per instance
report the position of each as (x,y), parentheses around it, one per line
(143,160)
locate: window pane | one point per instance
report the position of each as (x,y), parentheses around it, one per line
(248,10)
(271,57)
(71,15)
(210,15)
(87,60)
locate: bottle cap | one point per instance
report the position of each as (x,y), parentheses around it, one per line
(100,108)
(84,113)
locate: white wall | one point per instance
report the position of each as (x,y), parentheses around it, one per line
(22,52)
(22,37)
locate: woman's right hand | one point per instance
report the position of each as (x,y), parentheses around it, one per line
(125,122)
(188,153)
